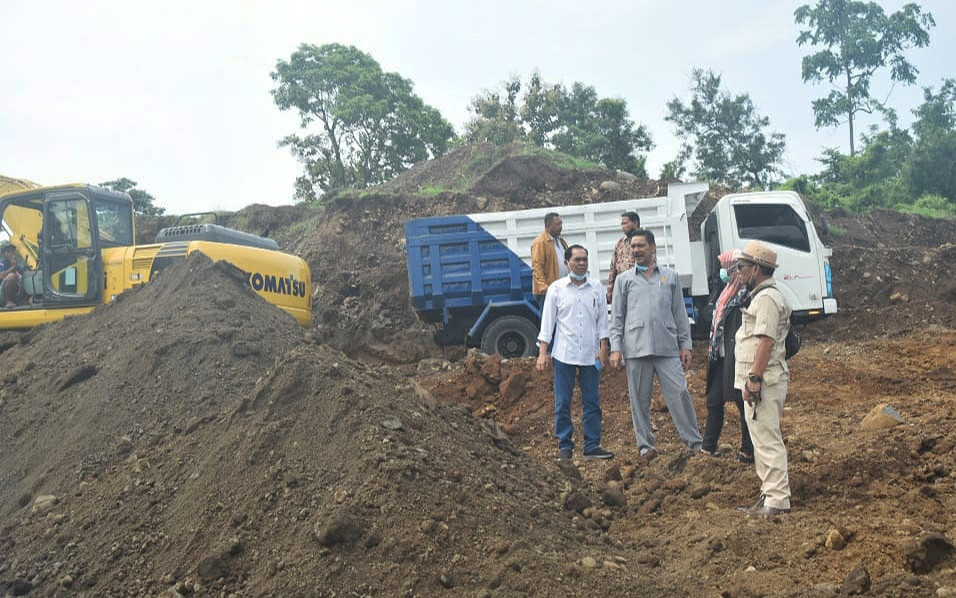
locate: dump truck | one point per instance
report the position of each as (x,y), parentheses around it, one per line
(471,273)
(76,245)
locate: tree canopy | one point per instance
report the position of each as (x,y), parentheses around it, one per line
(724,136)
(857,39)
(574,121)
(360,126)
(143,202)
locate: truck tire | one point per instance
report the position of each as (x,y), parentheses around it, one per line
(510,337)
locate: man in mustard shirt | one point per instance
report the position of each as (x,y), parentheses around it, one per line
(762,375)
(547,257)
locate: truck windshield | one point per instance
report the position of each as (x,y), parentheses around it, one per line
(773,223)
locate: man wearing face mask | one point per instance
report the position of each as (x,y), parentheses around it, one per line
(650,334)
(720,361)
(574,316)
(762,375)
(621,259)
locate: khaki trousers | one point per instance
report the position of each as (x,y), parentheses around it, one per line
(770,453)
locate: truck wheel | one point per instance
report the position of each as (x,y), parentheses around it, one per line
(509,337)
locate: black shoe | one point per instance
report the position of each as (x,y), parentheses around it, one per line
(715,453)
(564,454)
(745,457)
(756,506)
(598,453)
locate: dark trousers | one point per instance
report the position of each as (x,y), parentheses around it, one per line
(720,390)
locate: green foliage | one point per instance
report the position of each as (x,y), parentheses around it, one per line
(930,206)
(930,168)
(143,202)
(895,165)
(361,126)
(573,121)
(857,39)
(725,136)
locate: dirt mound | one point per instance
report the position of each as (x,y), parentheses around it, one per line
(356,253)
(161,358)
(186,440)
(861,497)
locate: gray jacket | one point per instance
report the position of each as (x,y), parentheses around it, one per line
(648,315)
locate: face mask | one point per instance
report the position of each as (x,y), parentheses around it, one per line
(641,268)
(724,277)
(578,277)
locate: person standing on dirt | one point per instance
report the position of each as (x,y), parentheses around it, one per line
(720,361)
(762,374)
(650,334)
(621,259)
(547,256)
(574,317)
(10,275)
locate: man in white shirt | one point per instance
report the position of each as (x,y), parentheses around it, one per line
(574,317)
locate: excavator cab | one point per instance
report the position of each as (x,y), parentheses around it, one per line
(60,233)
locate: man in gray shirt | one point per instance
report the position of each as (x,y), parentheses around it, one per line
(650,333)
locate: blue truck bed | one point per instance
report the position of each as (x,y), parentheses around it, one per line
(454,263)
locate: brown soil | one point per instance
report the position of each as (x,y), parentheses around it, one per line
(192,440)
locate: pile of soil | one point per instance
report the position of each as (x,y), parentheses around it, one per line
(191,439)
(882,500)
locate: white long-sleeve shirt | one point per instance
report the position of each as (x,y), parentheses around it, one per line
(577,317)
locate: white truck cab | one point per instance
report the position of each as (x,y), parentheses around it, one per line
(781,220)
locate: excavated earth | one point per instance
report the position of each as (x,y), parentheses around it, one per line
(192,440)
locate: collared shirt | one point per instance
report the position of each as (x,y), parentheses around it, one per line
(648,317)
(767,315)
(622,260)
(559,249)
(578,316)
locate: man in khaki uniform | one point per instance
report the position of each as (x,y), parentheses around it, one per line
(762,375)
(547,257)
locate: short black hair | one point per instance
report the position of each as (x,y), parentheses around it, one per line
(7,247)
(570,251)
(633,217)
(643,232)
(550,216)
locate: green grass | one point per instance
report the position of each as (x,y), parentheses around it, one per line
(560,159)
(836,231)
(432,191)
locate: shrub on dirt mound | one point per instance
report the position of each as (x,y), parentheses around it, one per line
(79,394)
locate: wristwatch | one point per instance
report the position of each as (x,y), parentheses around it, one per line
(754,378)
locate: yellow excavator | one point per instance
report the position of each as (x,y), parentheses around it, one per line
(76,251)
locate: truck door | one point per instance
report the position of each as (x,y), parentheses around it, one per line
(72,267)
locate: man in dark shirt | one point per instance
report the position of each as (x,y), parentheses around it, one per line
(10,275)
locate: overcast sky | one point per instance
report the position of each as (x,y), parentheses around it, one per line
(176,94)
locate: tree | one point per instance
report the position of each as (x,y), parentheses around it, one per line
(362,125)
(929,169)
(143,202)
(496,116)
(576,122)
(724,135)
(858,38)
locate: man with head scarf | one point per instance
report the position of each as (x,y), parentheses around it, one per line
(720,361)
(762,374)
